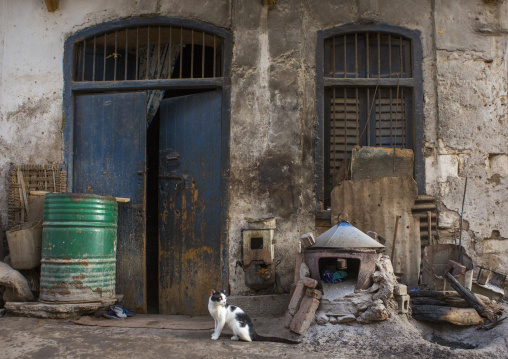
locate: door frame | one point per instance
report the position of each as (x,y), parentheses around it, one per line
(71,89)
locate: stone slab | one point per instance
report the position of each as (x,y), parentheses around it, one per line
(56,310)
(305,316)
(379,162)
(296,298)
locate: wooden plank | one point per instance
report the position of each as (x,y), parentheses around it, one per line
(52,5)
(38,193)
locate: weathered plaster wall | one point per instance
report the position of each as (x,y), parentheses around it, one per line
(273,120)
(471,138)
(273,103)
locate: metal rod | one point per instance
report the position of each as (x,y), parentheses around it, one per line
(461,222)
(159,54)
(94,54)
(344,158)
(400,54)
(368,116)
(105,51)
(203,58)
(357,109)
(356,54)
(214,54)
(368,55)
(345,56)
(333,57)
(378,55)
(403,117)
(192,55)
(126,53)
(332,128)
(429,226)
(115,55)
(390,54)
(170,53)
(391,114)
(137,53)
(147,52)
(181,50)
(84,58)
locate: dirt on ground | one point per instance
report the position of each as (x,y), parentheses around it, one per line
(397,337)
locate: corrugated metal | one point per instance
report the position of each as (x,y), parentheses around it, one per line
(78,248)
(373,205)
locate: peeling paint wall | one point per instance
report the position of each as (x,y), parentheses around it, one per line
(471,132)
(273,104)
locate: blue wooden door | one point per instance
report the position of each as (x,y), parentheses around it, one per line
(189,202)
(109,159)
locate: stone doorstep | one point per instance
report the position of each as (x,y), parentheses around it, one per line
(268,306)
(56,310)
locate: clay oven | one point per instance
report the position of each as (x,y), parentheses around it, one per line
(343,248)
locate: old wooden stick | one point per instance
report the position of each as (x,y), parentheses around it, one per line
(395,237)
(465,293)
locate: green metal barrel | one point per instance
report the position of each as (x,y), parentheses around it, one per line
(78,247)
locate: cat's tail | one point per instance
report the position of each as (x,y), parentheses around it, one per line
(260,338)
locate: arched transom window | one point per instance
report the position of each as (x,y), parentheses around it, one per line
(148,53)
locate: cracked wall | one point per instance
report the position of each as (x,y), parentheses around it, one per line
(471,130)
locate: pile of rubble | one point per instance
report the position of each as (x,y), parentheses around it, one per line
(330,306)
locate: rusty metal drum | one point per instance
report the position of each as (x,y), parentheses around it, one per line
(78,248)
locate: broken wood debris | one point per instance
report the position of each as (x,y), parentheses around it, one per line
(459,307)
(490,312)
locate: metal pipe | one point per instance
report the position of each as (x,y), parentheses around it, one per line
(94,53)
(170,53)
(203,58)
(115,55)
(461,222)
(214,54)
(159,54)
(192,55)
(84,58)
(105,51)
(126,53)
(137,54)
(147,53)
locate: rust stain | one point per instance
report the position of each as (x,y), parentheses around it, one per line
(79,277)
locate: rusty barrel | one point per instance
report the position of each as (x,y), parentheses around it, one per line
(78,247)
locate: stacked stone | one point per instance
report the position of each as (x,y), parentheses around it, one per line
(303,305)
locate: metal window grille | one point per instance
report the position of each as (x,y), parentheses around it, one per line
(148,53)
(374,113)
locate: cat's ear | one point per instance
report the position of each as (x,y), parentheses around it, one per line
(223,291)
(213,291)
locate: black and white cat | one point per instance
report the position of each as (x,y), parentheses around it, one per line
(236,319)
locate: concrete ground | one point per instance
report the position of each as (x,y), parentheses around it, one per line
(396,337)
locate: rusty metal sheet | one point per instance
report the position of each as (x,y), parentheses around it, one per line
(190,256)
(373,205)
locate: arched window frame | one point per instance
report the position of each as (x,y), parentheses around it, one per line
(323,83)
